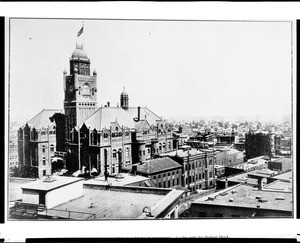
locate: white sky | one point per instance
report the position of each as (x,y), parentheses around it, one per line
(181,69)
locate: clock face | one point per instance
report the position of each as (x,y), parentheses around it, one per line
(85,90)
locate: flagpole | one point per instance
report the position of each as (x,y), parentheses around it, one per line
(83,36)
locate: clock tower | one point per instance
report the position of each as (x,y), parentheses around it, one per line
(80,90)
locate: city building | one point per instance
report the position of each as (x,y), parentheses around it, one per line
(13,154)
(258,144)
(229,157)
(38,141)
(164,172)
(90,201)
(280,165)
(244,201)
(283,145)
(197,167)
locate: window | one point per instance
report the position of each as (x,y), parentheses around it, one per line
(51,147)
(105,135)
(143,152)
(169,183)
(44,172)
(154,177)
(43,149)
(114,154)
(177,181)
(164,184)
(43,133)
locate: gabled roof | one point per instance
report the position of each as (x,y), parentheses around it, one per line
(155,166)
(42,119)
(103,117)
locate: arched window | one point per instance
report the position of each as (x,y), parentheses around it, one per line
(114,154)
(127,152)
(51,147)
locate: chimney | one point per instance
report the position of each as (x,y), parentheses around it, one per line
(108,104)
(134,169)
(138,115)
(259,183)
(226,183)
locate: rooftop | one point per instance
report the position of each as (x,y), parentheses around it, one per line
(182,153)
(123,180)
(247,196)
(155,165)
(285,176)
(283,160)
(104,116)
(41,120)
(41,185)
(279,186)
(117,203)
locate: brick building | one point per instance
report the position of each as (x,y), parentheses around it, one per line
(39,139)
(197,167)
(258,144)
(164,172)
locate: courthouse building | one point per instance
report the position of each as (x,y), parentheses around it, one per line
(103,138)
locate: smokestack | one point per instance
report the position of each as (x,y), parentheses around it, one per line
(134,169)
(138,115)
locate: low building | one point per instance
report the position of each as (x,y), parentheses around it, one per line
(281,165)
(230,157)
(255,164)
(122,179)
(164,172)
(244,201)
(52,191)
(120,202)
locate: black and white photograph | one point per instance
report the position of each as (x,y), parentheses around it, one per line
(136,120)
(150,119)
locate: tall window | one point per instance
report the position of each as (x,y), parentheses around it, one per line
(114,154)
(51,147)
(43,149)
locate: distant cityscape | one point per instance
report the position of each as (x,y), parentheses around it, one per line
(91,162)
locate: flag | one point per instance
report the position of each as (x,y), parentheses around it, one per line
(80,32)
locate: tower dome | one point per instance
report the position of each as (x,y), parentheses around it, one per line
(79,53)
